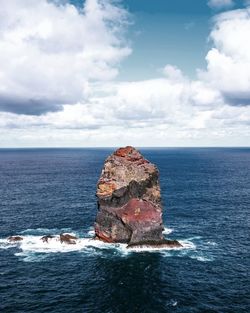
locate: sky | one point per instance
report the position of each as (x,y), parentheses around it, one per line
(104,73)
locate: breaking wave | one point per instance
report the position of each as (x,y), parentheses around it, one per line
(32,248)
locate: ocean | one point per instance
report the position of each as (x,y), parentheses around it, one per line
(206,198)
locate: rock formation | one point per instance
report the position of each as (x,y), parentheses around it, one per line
(129,201)
(15,238)
(63,238)
(46,238)
(67,238)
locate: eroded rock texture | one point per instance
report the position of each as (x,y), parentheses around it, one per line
(129,200)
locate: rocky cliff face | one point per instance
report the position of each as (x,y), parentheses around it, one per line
(129,200)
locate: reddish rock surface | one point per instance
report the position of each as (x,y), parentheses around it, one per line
(129,200)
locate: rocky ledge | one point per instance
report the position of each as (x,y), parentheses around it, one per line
(129,202)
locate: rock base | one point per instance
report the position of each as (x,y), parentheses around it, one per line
(163,244)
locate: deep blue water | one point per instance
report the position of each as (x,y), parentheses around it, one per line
(206,194)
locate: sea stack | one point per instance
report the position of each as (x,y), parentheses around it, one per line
(129,201)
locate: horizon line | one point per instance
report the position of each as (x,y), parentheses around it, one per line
(139,147)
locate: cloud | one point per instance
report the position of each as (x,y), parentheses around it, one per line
(228,62)
(49,53)
(102,125)
(169,110)
(173,72)
(156,104)
(30,106)
(220,4)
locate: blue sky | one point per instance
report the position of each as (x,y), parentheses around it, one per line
(130,72)
(165,31)
(174,32)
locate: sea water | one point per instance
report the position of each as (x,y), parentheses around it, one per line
(206,198)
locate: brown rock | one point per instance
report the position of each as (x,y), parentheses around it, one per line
(129,200)
(67,238)
(15,238)
(46,238)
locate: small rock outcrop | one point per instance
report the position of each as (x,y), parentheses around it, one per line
(129,201)
(15,238)
(67,238)
(46,238)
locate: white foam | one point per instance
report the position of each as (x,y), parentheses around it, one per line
(32,257)
(45,231)
(32,247)
(201,258)
(54,245)
(167,231)
(204,259)
(187,244)
(91,232)
(5,244)
(31,243)
(212,243)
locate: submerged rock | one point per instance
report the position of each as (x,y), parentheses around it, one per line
(46,238)
(129,200)
(67,238)
(15,238)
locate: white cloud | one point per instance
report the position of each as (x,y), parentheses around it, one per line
(220,4)
(173,73)
(170,110)
(228,62)
(49,52)
(152,112)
